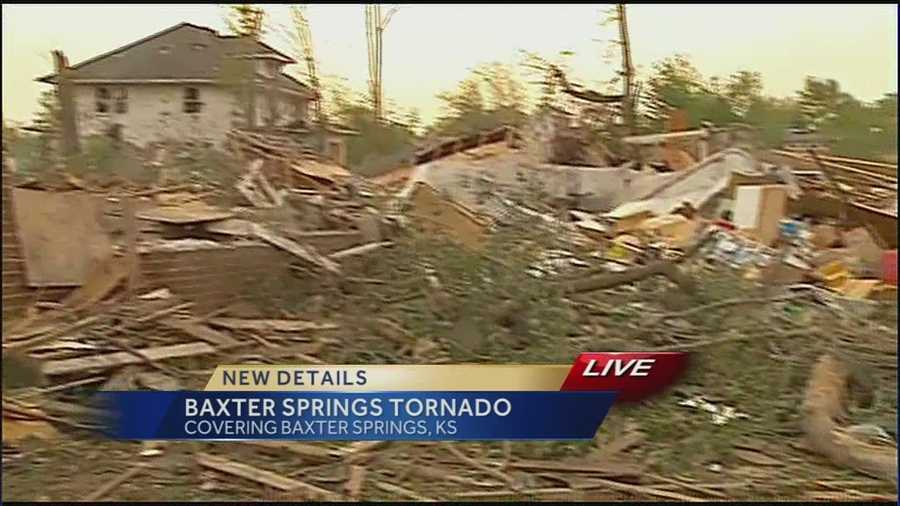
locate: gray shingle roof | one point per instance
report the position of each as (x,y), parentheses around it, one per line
(182,52)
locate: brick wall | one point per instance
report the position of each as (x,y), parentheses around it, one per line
(16,295)
(213,278)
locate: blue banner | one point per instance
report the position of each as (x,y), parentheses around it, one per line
(370,416)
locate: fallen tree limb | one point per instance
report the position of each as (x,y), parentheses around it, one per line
(730,339)
(667,269)
(823,406)
(724,303)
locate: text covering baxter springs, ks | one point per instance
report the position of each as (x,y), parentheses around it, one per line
(396,402)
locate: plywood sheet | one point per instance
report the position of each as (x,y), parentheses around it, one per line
(61,235)
(773,210)
(184,215)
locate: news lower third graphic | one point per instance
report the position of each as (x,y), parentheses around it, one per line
(395,402)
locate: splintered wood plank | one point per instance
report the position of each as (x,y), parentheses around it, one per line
(262,476)
(304,253)
(198,330)
(103,279)
(269,325)
(184,215)
(306,451)
(110,360)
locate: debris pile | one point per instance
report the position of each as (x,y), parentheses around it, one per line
(481,251)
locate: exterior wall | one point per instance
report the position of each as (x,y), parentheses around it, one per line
(156,112)
(289,107)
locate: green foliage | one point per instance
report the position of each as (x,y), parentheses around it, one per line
(379,146)
(490,97)
(772,117)
(856,128)
(246,20)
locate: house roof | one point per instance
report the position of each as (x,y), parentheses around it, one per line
(181,52)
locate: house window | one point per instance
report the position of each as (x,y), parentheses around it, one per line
(122,100)
(102,96)
(192,103)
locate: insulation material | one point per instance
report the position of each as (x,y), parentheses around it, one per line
(61,236)
(746,206)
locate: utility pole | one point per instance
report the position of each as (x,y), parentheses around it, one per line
(627,70)
(375,26)
(304,39)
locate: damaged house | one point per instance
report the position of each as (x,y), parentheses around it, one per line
(188,82)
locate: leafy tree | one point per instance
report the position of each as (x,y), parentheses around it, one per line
(820,98)
(489,97)
(742,90)
(238,74)
(246,20)
(677,85)
(380,145)
(48,116)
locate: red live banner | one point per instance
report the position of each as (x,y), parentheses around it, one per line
(634,375)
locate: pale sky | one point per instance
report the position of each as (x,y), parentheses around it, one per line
(429,48)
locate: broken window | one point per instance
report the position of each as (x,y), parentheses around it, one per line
(122,100)
(102,95)
(192,103)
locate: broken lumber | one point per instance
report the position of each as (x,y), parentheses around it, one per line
(249,189)
(359,250)
(50,333)
(115,482)
(395,489)
(103,279)
(110,360)
(198,330)
(307,452)
(302,252)
(269,325)
(613,470)
(355,481)
(264,477)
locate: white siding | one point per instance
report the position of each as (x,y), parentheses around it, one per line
(156,113)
